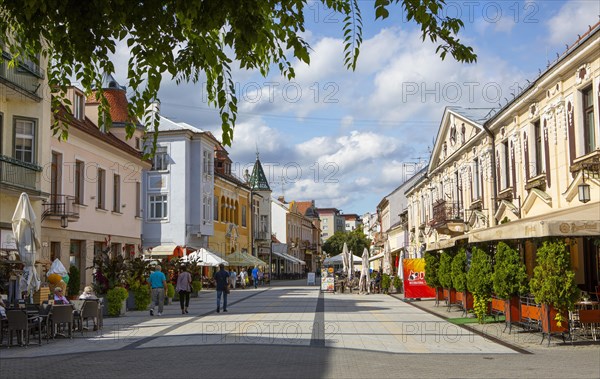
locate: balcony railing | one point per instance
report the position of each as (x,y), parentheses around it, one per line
(18,174)
(260,235)
(444,212)
(60,206)
(25,78)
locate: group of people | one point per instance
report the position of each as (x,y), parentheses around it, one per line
(224,281)
(253,275)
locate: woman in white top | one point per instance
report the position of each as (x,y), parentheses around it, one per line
(88,294)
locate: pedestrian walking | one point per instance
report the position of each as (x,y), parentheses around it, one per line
(232,278)
(243,276)
(184,287)
(222,281)
(255,272)
(158,282)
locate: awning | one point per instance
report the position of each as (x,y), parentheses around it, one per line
(284,256)
(204,257)
(162,250)
(572,222)
(444,244)
(294,259)
(376,257)
(337,259)
(243,259)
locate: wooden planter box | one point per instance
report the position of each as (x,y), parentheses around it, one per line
(549,324)
(509,308)
(450,295)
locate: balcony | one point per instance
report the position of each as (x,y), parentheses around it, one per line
(18,175)
(23,78)
(448,218)
(60,207)
(262,236)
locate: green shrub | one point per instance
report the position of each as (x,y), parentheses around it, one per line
(553,279)
(445,270)
(196,285)
(397,282)
(115,298)
(510,276)
(432,267)
(74,286)
(142,295)
(170,290)
(386,281)
(459,271)
(479,282)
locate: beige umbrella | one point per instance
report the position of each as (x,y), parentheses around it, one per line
(365,279)
(345,260)
(387,259)
(350,265)
(23,226)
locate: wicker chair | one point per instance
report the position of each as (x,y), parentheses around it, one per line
(19,322)
(62,314)
(90,310)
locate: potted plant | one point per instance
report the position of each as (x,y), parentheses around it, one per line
(553,286)
(74,285)
(137,273)
(116,298)
(386,281)
(432,267)
(509,279)
(196,287)
(479,282)
(397,283)
(445,277)
(108,272)
(170,294)
(459,280)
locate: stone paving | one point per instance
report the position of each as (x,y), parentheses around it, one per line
(292,330)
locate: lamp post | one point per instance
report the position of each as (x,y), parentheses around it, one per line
(583,190)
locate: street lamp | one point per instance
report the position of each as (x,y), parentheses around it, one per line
(583,189)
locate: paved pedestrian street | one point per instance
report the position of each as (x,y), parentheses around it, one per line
(291,330)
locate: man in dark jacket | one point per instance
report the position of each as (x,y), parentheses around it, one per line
(222,280)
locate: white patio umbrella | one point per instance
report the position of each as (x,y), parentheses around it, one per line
(350,265)
(365,279)
(387,259)
(203,257)
(23,226)
(345,259)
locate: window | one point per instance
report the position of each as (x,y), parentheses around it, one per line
(79,106)
(24,140)
(207,207)
(264,223)
(244,223)
(589,133)
(138,195)
(100,190)
(505,165)
(453,135)
(116,193)
(215,208)
(137,143)
(160,161)
(55,176)
(79,182)
(463,134)
(325,227)
(476,173)
(208,163)
(158,207)
(537,132)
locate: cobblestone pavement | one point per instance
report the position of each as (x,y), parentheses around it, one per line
(291,330)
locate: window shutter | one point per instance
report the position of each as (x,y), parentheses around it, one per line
(571,132)
(526,155)
(514,169)
(547,153)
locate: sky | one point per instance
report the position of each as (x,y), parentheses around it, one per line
(347,138)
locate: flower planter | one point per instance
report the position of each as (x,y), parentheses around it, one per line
(550,325)
(467,301)
(439,295)
(450,296)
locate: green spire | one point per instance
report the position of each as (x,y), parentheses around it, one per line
(258,180)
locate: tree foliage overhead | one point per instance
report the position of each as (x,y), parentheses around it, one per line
(356,241)
(190,40)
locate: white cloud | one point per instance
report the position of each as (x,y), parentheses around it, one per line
(572,19)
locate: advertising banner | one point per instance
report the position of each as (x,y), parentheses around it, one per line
(415,286)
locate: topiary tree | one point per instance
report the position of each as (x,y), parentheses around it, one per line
(432,268)
(445,270)
(479,282)
(386,281)
(510,276)
(115,298)
(553,281)
(459,271)
(74,284)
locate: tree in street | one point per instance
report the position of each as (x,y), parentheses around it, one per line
(356,241)
(189,40)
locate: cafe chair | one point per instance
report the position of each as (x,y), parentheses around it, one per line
(89,310)
(19,322)
(62,315)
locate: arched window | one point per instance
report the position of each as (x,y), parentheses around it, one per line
(236,213)
(223,209)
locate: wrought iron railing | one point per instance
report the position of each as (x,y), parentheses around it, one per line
(444,212)
(18,174)
(260,235)
(60,206)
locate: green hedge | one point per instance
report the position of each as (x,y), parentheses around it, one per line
(510,276)
(445,270)
(432,268)
(196,285)
(115,298)
(459,271)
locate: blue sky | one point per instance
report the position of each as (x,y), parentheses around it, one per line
(346,139)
